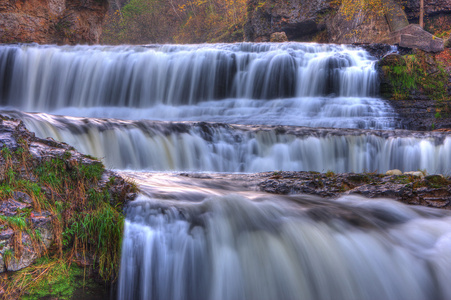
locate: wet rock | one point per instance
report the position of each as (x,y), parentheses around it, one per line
(420,114)
(377,50)
(431,191)
(278,37)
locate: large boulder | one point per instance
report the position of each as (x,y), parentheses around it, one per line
(414,37)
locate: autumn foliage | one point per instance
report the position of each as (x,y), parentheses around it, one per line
(176,21)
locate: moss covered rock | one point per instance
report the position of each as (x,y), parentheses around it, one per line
(57,203)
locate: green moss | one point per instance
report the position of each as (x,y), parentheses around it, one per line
(18,222)
(412,72)
(51,278)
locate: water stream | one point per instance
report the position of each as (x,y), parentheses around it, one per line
(209,109)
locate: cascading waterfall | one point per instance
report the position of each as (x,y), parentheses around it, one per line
(53,77)
(228,247)
(176,108)
(163,146)
(284,84)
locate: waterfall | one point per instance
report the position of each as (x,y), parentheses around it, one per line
(228,247)
(194,146)
(242,108)
(43,78)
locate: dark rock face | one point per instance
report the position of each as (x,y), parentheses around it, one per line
(420,114)
(431,191)
(299,19)
(52,21)
(321,20)
(377,50)
(431,8)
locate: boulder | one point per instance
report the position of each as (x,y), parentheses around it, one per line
(414,37)
(278,37)
(448,42)
(393,172)
(415,173)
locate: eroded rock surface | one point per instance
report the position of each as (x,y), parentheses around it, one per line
(432,191)
(52,21)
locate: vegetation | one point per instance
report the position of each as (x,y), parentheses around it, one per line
(179,21)
(86,218)
(50,277)
(418,72)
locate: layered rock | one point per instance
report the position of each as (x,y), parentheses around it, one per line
(432,191)
(52,21)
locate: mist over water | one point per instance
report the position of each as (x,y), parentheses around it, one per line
(242,108)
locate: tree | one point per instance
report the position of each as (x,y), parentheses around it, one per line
(394,13)
(422,13)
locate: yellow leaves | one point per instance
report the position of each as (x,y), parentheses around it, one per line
(350,8)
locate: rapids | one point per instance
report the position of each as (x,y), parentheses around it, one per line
(254,246)
(147,110)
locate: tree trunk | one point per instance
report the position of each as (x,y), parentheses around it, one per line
(421,13)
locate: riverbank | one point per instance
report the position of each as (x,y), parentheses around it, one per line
(61,218)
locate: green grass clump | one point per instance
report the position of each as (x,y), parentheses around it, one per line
(50,278)
(87,220)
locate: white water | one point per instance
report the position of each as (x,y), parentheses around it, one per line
(229,247)
(163,146)
(190,240)
(287,84)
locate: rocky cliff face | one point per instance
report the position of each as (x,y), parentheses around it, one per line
(52,21)
(321,21)
(299,19)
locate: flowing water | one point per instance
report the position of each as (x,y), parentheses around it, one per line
(241,108)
